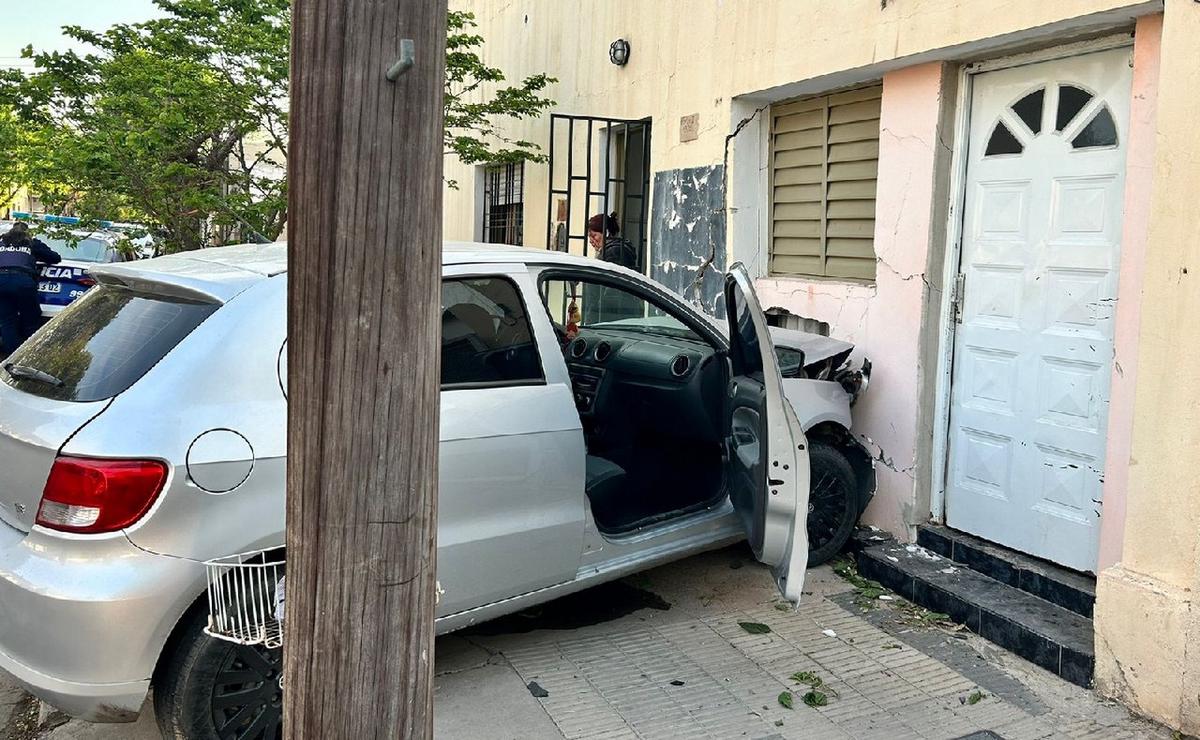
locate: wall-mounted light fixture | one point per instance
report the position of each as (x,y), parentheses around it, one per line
(618,52)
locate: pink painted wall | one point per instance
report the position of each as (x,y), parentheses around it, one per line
(1139,177)
(885,320)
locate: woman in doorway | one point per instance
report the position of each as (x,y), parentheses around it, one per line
(604,235)
(607,304)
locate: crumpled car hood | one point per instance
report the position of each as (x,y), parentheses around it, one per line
(814,346)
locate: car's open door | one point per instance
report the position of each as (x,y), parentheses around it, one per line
(768,454)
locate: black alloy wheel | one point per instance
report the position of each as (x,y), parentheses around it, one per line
(832,502)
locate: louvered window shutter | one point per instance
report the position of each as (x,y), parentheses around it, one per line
(824,159)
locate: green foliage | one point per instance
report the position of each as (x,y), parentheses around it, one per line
(475,101)
(814,698)
(13,145)
(178,122)
(181,122)
(785,700)
(866,591)
(819,690)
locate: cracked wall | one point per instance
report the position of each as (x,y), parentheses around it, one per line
(893,320)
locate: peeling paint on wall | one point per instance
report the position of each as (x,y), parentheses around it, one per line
(688,226)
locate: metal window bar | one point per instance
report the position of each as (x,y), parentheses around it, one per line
(599,189)
(504,204)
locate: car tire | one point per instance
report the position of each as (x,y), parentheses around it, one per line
(832,502)
(208,687)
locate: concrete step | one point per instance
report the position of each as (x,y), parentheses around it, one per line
(1066,588)
(1039,631)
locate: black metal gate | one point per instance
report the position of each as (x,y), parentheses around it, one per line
(598,165)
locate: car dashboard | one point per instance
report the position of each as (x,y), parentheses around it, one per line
(657,381)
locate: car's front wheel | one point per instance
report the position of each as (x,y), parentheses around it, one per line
(211,689)
(832,501)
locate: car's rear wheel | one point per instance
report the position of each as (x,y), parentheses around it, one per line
(832,502)
(212,690)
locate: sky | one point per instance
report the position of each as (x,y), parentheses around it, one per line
(40,23)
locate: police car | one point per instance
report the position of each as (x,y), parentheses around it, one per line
(61,284)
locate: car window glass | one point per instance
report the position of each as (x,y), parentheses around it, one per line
(103,343)
(581,304)
(486,336)
(85,250)
(745,353)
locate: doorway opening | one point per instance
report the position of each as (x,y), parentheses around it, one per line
(598,165)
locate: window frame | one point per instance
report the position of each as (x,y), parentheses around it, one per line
(513,175)
(646,291)
(524,383)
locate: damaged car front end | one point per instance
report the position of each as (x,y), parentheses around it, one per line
(823,383)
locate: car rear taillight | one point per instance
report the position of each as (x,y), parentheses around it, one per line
(86,281)
(91,496)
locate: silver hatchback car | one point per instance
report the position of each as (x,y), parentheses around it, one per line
(592,425)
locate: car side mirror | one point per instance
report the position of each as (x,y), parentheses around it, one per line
(791,361)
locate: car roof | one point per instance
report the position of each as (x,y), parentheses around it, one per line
(457,253)
(220,273)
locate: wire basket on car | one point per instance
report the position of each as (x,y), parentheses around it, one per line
(245,598)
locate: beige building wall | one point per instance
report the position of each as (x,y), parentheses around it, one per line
(1147,623)
(692,56)
(725,62)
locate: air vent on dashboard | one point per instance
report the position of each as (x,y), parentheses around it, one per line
(578,348)
(603,350)
(681,365)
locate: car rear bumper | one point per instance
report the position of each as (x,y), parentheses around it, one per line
(106,702)
(83,620)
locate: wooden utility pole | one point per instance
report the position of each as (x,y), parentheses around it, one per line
(365,236)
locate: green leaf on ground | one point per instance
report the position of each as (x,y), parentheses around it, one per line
(892,646)
(975,697)
(815,681)
(815,698)
(785,699)
(866,591)
(755,628)
(783,606)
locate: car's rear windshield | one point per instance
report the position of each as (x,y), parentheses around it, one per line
(102,343)
(85,250)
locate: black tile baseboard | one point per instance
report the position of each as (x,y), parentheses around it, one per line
(1066,588)
(1039,631)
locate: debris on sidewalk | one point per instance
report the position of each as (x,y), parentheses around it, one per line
(755,628)
(536,689)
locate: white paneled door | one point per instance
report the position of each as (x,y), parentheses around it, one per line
(1033,348)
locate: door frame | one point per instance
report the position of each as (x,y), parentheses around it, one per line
(953,250)
(596,173)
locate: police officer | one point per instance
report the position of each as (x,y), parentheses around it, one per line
(20,309)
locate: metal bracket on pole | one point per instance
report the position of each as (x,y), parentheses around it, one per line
(404,63)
